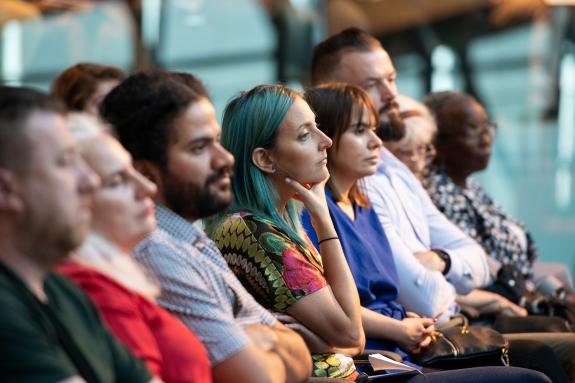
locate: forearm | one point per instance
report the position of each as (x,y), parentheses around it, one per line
(337,272)
(251,365)
(294,354)
(378,326)
(469,268)
(425,292)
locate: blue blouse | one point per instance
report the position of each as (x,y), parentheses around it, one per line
(370,260)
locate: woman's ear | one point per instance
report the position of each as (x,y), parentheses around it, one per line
(262,158)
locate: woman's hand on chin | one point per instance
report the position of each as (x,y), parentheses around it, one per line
(312,196)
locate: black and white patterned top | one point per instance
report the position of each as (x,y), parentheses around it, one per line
(503,237)
(198,287)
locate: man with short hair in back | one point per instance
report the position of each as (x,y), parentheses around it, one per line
(435,259)
(168,124)
(49,330)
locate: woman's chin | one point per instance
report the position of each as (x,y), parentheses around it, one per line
(312,179)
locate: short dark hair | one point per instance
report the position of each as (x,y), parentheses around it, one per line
(16,107)
(334,105)
(327,54)
(143,107)
(78,83)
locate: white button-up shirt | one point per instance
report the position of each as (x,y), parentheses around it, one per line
(413,224)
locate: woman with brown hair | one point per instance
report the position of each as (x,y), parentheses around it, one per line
(82,87)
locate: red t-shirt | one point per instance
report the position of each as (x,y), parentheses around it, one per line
(169,349)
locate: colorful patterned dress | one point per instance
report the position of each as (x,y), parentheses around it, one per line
(276,271)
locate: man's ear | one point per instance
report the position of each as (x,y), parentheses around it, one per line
(263,159)
(10,199)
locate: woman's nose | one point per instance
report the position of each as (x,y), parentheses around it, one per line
(324,141)
(374,141)
(144,187)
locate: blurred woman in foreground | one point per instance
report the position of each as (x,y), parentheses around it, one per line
(122,215)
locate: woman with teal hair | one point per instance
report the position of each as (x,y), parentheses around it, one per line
(281,155)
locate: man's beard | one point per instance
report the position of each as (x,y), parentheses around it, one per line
(56,238)
(192,201)
(391,126)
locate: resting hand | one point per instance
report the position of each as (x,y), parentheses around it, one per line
(415,333)
(510,309)
(430,260)
(313,198)
(314,342)
(262,336)
(486,302)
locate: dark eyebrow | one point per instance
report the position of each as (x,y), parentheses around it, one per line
(361,123)
(200,140)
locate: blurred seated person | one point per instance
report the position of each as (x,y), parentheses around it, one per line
(168,124)
(346,114)
(416,148)
(82,87)
(122,215)
(464,144)
(49,330)
(278,148)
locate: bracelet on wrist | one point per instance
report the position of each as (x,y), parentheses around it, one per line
(326,239)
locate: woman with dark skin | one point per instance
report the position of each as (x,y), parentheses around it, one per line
(464,143)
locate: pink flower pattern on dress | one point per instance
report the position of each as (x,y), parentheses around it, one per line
(298,273)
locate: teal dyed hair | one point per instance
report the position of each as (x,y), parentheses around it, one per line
(251,120)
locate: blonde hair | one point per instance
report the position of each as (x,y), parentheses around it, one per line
(97,252)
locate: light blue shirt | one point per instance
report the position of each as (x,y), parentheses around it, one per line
(198,287)
(413,224)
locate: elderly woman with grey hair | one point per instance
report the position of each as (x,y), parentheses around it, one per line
(416,148)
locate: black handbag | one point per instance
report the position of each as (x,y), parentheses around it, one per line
(459,343)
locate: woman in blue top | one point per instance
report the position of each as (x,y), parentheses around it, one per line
(346,115)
